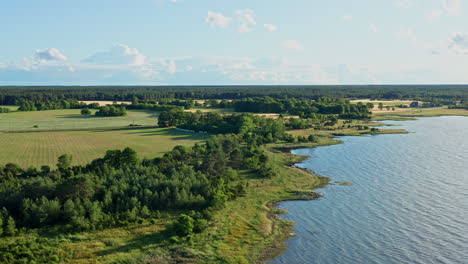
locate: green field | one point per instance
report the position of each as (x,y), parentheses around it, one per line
(71,119)
(43,148)
(11,107)
(420,112)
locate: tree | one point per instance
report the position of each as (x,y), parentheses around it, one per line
(85,111)
(64,161)
(381,106)
(10,227)
(129,157)
(1,225)
(184,225)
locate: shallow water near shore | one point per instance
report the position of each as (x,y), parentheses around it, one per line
(408,201)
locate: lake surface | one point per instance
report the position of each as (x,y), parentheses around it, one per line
(408,202)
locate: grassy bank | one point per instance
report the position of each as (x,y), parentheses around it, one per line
(410,114)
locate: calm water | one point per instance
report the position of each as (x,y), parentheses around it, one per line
(408,202)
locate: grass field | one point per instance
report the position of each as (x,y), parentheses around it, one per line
(11,107)
(71,119)
(420,112)
(43,148)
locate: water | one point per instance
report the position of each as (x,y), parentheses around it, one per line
(408,202)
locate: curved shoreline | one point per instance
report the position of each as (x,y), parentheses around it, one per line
(279,246)
(310,171)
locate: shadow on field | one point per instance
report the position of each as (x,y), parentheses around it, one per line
(77,116)
(171,132)
(139,242)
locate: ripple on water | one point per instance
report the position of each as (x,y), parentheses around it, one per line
(408,202)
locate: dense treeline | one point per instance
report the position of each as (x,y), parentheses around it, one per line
(112,110)
(303,107)
(254,130)
(27,105)
(447,94)
(265,128)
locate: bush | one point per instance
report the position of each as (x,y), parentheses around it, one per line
(85,111)
(31,250)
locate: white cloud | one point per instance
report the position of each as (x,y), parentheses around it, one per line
(270,27)
(346,17)
(51,54)
(246,20)
(217,20)
(453,7)
(246,16)
(293,45)
(459,43)
(118,54)
(244,29)
(170,66)
(434,15)
(373,27)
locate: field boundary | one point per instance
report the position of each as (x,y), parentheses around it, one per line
(79,129)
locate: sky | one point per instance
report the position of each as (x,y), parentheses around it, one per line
(227,42)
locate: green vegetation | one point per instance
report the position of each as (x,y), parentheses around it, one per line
(92,189)
(303,108)
(4,110)
(447,94)
(85,111)
(112,111)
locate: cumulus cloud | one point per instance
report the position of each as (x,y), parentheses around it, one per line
(270,27)
(293,45)
(246,16)
(459,43)
(217,20)
(246,20)
(118,54)
(453,7)
(50,54)
(244,29)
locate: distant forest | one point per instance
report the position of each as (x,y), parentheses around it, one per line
(445,94)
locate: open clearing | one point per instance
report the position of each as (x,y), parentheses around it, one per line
(71,119)
(420,112)
(104,103)
(384,102)
(43,148)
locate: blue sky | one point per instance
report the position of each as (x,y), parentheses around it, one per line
(155,42)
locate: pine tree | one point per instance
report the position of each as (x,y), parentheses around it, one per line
(10,228)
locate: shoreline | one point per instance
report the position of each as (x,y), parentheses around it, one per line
(290,235)
(279,246)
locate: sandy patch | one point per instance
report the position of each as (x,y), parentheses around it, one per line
(104,103)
